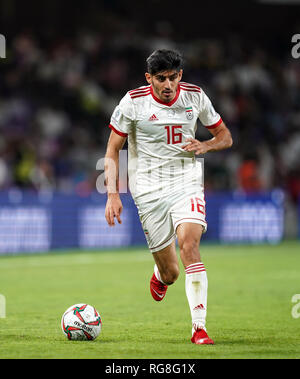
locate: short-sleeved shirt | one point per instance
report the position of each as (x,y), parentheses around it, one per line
(156,131)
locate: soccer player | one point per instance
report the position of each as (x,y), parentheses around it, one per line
(165,178)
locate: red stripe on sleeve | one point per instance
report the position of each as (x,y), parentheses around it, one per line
(214,125)
(117,131)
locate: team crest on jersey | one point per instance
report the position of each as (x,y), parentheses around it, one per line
(189,113)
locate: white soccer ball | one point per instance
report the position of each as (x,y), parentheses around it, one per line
(81,322)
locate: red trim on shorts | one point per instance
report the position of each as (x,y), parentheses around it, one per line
(191,218)
(155,247)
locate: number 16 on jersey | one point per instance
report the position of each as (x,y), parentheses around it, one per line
(174,134)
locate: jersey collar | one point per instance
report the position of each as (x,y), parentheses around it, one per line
(162,102)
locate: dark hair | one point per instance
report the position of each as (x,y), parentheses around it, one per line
(164,60)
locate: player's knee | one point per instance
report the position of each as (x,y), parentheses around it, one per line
(170,276)
(190,247)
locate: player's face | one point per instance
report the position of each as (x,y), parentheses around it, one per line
(165,84)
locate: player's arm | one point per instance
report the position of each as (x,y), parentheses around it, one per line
(111,168)
(221,140)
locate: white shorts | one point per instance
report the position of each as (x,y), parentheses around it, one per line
(160,219)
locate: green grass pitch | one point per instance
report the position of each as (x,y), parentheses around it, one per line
(250,290)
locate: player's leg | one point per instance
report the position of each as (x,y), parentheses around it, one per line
(166,271)
(189,235)
(167,264)
(160,236)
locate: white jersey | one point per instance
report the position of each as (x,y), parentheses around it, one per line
(157,165)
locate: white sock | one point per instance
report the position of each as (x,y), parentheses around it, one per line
(196,292)
(157,274)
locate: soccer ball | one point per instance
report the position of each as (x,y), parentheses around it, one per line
(81,322)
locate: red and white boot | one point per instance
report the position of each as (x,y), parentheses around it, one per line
(200,337)
(157,288)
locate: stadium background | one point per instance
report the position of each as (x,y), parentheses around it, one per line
(68,64)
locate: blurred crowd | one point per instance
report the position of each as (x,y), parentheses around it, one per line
(56,99)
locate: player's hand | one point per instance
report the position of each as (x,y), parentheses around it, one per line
(196,146)
(113,209)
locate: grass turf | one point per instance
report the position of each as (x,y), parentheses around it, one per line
(249,304)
